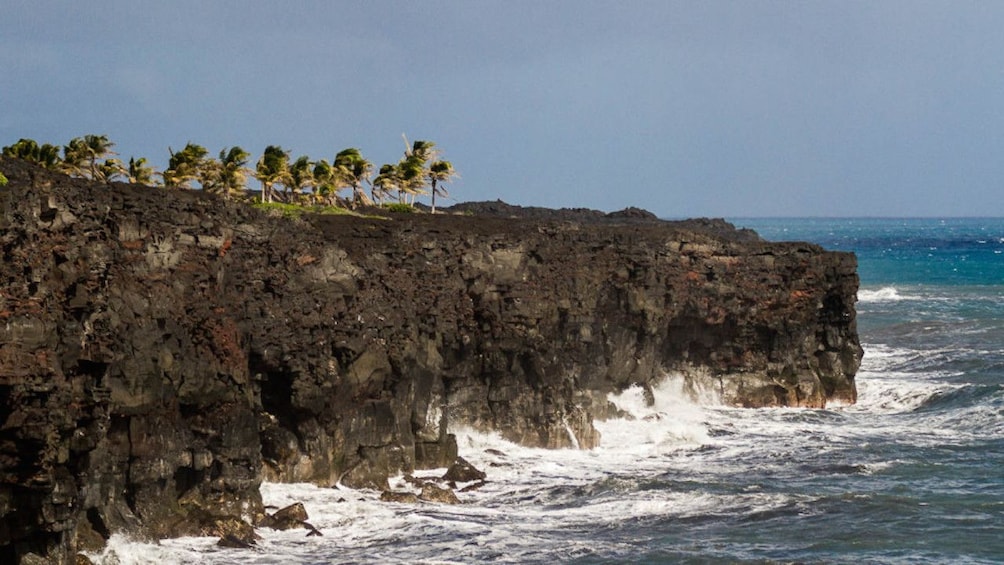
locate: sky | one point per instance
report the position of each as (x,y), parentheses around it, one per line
(711,108)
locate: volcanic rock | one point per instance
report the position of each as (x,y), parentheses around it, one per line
(463,472)
(163,351)
(433,493)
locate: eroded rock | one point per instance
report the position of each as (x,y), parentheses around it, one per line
(434,493)
(463,472)
(180,348)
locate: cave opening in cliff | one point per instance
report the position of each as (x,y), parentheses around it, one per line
(276,389)
(98,524)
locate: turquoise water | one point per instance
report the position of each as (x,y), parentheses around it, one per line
(912,473)
(904,251)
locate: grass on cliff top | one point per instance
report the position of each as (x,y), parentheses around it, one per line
(287,210)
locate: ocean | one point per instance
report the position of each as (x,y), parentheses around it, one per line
(911,473)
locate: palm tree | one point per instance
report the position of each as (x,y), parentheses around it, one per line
(424,150)
(225,175)
(387,180)
(326,183)
(272,169)
(110,170)
(138,172)
(411,177)
(26,149)
(301,175)
(440,172)
(352,170)
(185,166)
(231,175)
(413,168)
(82,155)
(45,155)
(48,156)
(75,157)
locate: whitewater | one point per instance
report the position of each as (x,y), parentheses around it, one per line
(911,473)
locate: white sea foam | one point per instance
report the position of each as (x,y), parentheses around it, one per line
(124,550)
(651,465)
(884,294)
(672,420)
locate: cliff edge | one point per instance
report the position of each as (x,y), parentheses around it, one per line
(163,352)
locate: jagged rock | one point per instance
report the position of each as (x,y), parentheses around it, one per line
(233,531)
(234,542)
(433,493)
(292,516)
(463,472)
(181,348)
(401,497)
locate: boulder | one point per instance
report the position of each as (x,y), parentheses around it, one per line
(433,493)
(292,516)
(463,472)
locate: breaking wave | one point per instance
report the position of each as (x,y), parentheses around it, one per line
(884,294)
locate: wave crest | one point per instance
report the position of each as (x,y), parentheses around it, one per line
(884,294)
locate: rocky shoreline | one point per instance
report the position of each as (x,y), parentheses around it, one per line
(162,352)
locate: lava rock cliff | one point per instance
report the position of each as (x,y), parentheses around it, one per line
(162,352)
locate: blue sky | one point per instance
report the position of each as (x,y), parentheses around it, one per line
(843,108)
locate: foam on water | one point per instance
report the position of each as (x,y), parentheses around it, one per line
(673,419)
(675,456)
(884,294)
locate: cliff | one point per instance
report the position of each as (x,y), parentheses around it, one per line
(163,352)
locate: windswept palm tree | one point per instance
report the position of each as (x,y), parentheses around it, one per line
(185,166)
(438,173)
(386,181)
(326,182)
(82,156)
(227,175)
(110,170)
(45,155)
(413,167)
(411,177)
(139,172)
(26,149)
(351,170)
(272,169)
(301,175)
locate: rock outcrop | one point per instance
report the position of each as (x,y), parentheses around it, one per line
(163,352)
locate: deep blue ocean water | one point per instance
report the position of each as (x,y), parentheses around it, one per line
(912,473)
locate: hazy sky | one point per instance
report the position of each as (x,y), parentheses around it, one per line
(685,108)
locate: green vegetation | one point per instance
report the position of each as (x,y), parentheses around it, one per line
(399,207)
(3,180)
(290,187)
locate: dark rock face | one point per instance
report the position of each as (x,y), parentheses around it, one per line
(163,352)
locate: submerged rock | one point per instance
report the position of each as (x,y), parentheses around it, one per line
(399,497)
